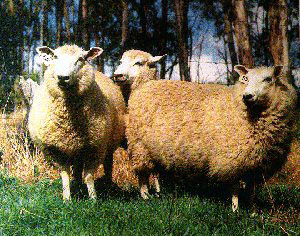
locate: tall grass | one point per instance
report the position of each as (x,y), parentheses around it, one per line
(18,155)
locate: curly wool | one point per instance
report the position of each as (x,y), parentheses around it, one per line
(85,120)
(207,128)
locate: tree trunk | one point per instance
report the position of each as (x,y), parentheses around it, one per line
(11,8)
(278,16)
(59,18)
(79,25)
(241,27)
(228,31)
(28,36)
(163,36)
(67,21)
(181,11)
(100,60)
(45,24)
(21,32)
(125,14)
(43,7)
(143,23)
(86,35)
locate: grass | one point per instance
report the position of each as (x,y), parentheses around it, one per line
(38,209)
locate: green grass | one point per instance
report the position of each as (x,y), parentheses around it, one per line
(38,209)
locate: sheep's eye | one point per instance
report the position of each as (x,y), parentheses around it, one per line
(80,59)
(268,79)
(138,63)
(245,78)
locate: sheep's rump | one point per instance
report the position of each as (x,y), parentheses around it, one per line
(187,126)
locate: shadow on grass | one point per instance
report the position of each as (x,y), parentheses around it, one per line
(105,188)
(267,197)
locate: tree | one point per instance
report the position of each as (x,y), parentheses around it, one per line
(228,31)
(85,33)
(241,27)
(181,11)
(59,18)
(163,34)
(278,17)
(67,21)
(125,14)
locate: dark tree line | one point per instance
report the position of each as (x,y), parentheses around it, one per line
(156,26)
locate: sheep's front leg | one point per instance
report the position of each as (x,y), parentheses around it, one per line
(89,181)
(65,176)
(156,184)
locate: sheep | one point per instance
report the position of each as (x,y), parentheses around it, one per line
(27,89)
(230,135)
(135,64)
(76,114)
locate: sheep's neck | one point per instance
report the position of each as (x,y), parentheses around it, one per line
(143,78)
(273,126)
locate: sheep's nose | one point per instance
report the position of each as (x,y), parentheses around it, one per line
(63,78)
(247,97)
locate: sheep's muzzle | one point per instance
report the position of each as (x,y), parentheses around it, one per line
(118,78)
(63,81)
(249,99)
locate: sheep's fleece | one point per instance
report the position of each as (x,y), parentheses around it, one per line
(227,134)
(77,112)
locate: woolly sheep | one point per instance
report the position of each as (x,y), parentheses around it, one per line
(135,64)
(230,135)
(76,114)
(27,89)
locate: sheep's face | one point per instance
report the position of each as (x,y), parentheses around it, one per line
(66,62)
(260,84)
(135,63)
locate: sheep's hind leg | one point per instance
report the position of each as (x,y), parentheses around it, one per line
(89,181)
(65,176)
(144,183)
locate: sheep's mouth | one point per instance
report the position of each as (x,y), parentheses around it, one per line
(119,78)
(64,81)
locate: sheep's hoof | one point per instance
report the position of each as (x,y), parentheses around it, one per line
(66,200)
(145,196)
(235,208)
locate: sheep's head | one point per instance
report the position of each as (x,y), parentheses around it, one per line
(136,63)
(66,64)
(261,84)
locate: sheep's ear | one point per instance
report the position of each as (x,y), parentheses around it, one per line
(46,54)
(241,70)
(93,53)
(156,59)
(278,70)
